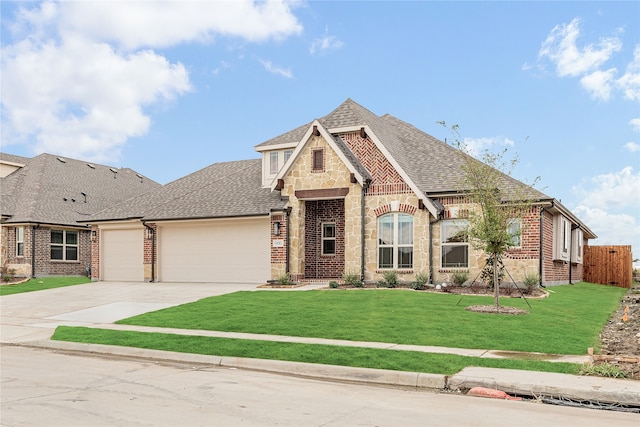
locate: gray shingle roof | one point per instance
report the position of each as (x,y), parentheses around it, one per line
(433,165)
(217,191)
(48,189)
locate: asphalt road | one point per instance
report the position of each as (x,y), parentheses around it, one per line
(43,388)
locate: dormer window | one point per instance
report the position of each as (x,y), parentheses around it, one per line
(317,160)
(273,162)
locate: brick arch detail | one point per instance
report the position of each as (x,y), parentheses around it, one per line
(403,207)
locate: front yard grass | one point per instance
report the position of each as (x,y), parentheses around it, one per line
(567,322)
(411,361)
(43,283)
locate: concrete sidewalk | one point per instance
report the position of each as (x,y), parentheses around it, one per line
(30,319)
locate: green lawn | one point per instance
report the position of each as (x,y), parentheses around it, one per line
(445,364)
(43,283)
(567,322)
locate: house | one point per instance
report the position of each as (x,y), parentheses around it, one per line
(349,192)
(42,199)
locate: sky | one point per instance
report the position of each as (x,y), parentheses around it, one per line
(167,88)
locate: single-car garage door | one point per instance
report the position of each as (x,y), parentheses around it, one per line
(122,255)
(230,251)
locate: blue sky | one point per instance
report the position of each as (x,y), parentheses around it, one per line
(168,88)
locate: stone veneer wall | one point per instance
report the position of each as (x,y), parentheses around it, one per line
(334,175)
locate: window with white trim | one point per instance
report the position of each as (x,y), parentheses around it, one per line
(395,241)
(273,162)
(64,245)
(329,238)
(287,154)
(454,243)
(19,241)
(515,232)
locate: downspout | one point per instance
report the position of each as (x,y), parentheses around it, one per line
(33,250)
(365,185)
(541,235)
(286,253)
(153,252)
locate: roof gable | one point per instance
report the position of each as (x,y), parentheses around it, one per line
(336,143)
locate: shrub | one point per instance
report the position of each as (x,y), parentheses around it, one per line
(421,281)
(284,279)
(333,284)
(8,274)
(531,281)
(459,277)
(352,278)
(389,279)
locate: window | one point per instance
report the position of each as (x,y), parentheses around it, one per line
(19,241)
(395,241)
(328,238)
(317,160)
(561,238)
(287,154)
(273,162)
(64,245)
(514,230)
(454,241)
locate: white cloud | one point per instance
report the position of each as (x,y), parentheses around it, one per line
(274,69)
(635,123)
(629,83)
(326,43)
(611,228)
(610,206)
(78,75)
(599,83)
(632,146)
(616,190)
(135,24)
(561,47)
(476,146)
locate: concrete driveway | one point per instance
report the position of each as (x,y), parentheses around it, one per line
(33,316)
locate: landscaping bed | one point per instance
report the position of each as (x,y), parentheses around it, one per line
(620,338)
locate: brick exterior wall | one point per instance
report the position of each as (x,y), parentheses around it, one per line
(44,265)
(150,246)
(553,271)
(95,253)
(385,178)
(318,266)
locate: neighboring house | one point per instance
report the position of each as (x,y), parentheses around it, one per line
(41,200)
(349,192)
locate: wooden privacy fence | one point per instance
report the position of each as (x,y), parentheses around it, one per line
(608,265)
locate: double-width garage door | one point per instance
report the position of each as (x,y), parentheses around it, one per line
(122,255)
(230,251)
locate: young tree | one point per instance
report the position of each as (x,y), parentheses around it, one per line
(487,183)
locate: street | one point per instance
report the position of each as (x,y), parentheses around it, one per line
(45,388)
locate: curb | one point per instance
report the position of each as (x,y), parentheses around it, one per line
(299,369)
(515,382)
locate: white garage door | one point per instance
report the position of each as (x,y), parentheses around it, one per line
(230,251)
(122,255)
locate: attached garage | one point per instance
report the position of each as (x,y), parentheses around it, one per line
(122,255)
(229,250)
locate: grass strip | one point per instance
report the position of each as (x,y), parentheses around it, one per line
(567,322)
(445,364)
(40,284)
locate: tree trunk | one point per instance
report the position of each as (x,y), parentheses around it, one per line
(496,285)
